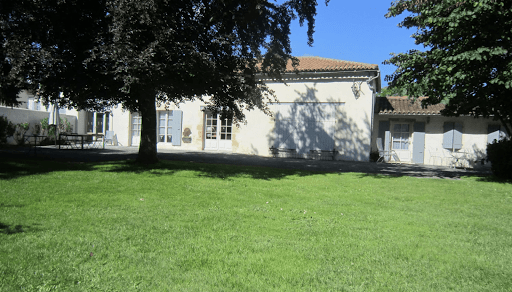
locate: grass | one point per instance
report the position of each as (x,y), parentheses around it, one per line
(201,227)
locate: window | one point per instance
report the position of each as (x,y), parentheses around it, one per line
(90,122)
(33,104)
(165,126)
(212,121)
(169,127)
(211,126)
(225,129)
(97,123)
(136,125)
(401,137)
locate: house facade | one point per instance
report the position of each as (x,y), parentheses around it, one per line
(422,135)
(325,104)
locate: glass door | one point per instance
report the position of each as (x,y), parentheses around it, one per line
(136,126)
(217,133)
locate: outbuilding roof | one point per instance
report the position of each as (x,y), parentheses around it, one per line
(402,105)
(319,64)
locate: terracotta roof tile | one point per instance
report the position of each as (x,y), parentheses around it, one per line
(402,105)
(318,64)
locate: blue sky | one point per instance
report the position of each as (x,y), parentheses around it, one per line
(354,31)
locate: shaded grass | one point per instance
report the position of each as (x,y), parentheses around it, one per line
(187,226)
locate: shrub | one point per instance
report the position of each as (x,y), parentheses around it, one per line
(64,127)
(19,133)
(6,129)
(500,156)
(36,130)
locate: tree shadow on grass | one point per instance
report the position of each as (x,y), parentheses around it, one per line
(389,171)
(14,229)
(495,179)
(14,168)
(213,165)
(210,170)
(399,175)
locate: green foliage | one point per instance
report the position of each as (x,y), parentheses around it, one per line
(6,129)
(65,126)
(50,130)
(392,91)
(499,153)
(20,131)
(181,226)
(36,130)
(467,60)
(101,53)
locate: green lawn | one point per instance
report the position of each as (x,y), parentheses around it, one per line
(202,227)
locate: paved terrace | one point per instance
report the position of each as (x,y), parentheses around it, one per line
(116,153)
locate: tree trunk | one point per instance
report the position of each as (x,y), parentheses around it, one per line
(506,123)
(147,110)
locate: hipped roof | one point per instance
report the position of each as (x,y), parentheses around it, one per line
(402,105)
(319,64)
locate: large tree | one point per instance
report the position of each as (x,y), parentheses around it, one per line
(467,58)
(101,53)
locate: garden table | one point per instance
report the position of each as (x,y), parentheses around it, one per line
(81,141)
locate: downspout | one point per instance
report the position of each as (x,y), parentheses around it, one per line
(374,99)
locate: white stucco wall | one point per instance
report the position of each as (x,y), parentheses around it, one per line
(20,115)
(474,137)
(352,128)
(352,134)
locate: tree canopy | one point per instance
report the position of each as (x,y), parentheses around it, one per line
(101,53)
(387,91)
(467,60)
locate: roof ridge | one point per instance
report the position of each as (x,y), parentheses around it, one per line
(333,59)
(319,64)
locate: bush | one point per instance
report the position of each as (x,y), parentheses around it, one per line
(500,156)
(6,129)
(19,134)
(49,130)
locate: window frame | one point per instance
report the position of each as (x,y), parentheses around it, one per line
(167,136)
(97,122)
(402,136)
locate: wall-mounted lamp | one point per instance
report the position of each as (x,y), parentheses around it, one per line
(356,88)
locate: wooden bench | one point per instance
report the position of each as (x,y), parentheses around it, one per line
(323,154)
(283,152)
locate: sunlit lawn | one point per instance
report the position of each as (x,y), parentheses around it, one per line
(201,227)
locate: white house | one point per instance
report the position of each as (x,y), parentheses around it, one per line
(327,105)
(422,135)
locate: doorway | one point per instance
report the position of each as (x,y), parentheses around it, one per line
(136,126)
(218,133)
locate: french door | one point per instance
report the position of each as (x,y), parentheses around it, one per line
(401,141)
(217,132)
(136,126)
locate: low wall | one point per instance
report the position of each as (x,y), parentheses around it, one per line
(17,116)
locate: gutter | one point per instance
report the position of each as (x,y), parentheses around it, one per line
(297,75)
